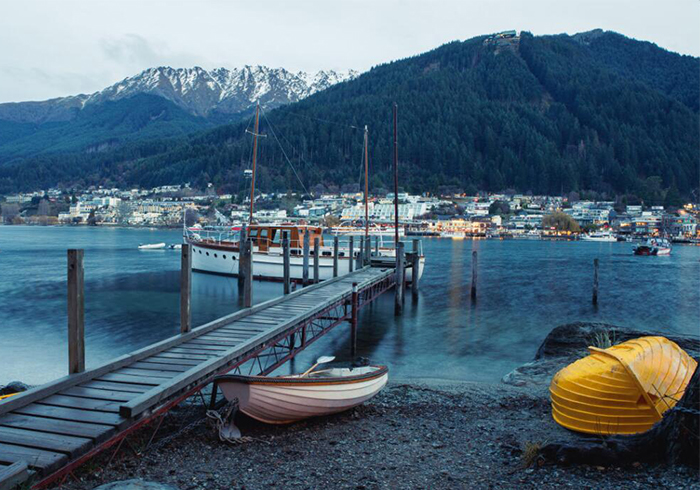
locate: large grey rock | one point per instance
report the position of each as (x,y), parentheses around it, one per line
(136,484)
(568,343)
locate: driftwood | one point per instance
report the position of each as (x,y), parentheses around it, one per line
(673,440)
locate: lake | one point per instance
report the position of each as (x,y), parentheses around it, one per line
(526,288)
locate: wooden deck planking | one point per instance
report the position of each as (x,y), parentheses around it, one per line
(40,424)
(69,445)
(35,458)
(72,414)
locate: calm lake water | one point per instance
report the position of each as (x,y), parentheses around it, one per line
(525,289)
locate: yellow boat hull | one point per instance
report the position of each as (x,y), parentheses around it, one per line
(624,389)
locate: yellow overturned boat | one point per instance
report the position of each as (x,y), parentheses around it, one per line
(624,389)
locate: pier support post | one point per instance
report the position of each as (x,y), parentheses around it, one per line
(317,258)
(335,256)
(305,263)
(241,240)
(353,320)
(285,259)
(376,246)
(595,281)
(186,288)
(361,255)
(398,290)
(474,267)
(246,264)
(76,312)
(352,254)
(415,268)
(368,251)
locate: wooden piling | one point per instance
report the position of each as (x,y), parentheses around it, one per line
(474,264)
(285,259)
(376,246)
(241,240)
(352,253)
(595,281)
(360,256)
(398,290)
(353,321)
(76,312)
(368,251)
(186,288)
(305,264)
(247,264)
(335,256)
(415,268)
(317,257)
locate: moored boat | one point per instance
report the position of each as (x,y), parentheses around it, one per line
(624,389)
(653,246)
(287,399)
(151,246)
(599,236)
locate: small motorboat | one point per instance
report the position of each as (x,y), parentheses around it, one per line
(599,236)
(624,389)
(287,399)
(151,246)
(175,246)
(653,246)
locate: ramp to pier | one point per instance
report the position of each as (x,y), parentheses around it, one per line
(55,427)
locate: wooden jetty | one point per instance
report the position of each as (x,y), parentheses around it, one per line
(51,429)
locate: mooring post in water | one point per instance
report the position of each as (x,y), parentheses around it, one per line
(317,257)
(595,281)
(474,264)
(247,264)
(376,246)
(305,263)
(351,246)
(360,256)
(335,256)
(368,251)
(285,259)
(398,290)
(353,321)
(415,267)
(185,288)
(76,312)
(241,241)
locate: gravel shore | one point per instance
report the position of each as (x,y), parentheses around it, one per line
(414,434)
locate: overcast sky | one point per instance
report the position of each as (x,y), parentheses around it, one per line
(54,48)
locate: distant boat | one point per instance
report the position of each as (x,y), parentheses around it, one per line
(287,399)
(151,246)
(599,236)
(175,246)
(653,246)
(457,235)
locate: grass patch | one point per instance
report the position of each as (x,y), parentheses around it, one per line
(603,339)
(531,454)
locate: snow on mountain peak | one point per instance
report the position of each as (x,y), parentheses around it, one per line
(202,92)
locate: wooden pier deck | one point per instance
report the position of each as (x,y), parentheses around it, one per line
(55,427)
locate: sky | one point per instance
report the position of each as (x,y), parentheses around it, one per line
(54,48)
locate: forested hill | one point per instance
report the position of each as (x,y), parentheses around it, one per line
(547,114)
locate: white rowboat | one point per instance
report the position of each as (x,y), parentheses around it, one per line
(287,399)
(151,246)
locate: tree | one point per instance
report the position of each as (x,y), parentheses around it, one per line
(9,212)
(44,208)
(561,222)
(499,207)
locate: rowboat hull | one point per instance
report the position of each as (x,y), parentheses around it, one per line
(288,399)
(624,389)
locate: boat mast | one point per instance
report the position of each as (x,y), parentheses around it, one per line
(255,152)
(396,180)
(366,184)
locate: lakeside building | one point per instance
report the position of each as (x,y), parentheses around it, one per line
(591,213)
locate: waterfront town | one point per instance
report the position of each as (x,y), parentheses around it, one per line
(486,215)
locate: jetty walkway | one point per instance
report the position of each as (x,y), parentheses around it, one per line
(51,429)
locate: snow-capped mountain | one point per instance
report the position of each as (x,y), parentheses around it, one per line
(196,90)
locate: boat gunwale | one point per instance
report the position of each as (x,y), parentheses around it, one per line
(285,380)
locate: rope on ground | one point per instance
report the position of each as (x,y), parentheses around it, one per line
(223,422)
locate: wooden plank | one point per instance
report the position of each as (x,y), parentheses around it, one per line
(210,349)
(13,475)
(154,366)
(168,361)
(81,403)
(118,387)
(185,288)
(47,461)
(117,396)
(39,392)
(69,445)
(215,342)
(223,336)
(127,378)
(179,356)
(72,414)
(149,373)
(96,432)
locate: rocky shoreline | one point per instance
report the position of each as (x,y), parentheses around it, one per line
(415,434)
